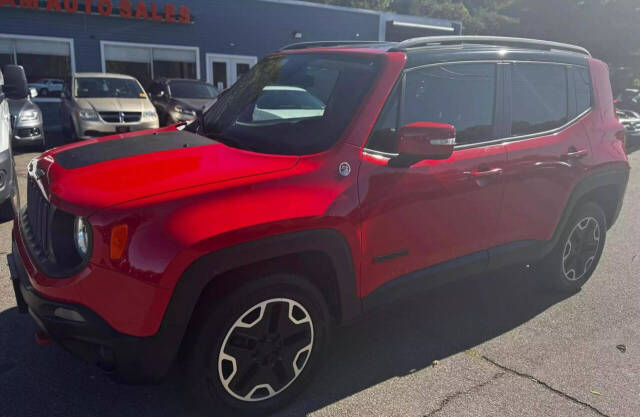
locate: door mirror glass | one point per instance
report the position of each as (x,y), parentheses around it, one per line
(424,140)
(15,82)
(33,92)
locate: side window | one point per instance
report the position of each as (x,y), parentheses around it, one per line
(539,98)
(582,82)
(383,136)
(463,95)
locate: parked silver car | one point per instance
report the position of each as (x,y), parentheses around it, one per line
(101,104)
(27,119)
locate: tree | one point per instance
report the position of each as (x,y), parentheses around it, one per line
(477,16)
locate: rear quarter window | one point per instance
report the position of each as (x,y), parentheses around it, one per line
(582,88)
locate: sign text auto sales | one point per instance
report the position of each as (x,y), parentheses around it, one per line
(127,9)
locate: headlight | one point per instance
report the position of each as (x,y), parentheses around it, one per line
(183,110)
(29,116)
(82,235)
(149,114)
(87,114)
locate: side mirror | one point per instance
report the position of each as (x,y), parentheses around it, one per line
(424,140)
(33,92)
(15,82)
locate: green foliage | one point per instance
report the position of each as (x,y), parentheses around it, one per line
(477,16)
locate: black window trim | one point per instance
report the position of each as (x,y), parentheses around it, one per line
(507,118)
(502,116)
(499,108)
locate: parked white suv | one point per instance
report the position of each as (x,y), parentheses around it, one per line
(47,86)
(100,104)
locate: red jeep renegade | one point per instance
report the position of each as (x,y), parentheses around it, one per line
(330,179)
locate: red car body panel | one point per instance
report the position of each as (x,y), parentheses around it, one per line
(434,211)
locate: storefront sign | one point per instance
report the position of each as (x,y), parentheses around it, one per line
(126,9)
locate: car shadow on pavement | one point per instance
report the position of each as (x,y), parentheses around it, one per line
(394,340)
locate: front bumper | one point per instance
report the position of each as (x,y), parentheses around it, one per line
(28,133)
(86,334)
(92,129)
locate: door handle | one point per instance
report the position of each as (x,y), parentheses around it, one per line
(576,154)
(488,173)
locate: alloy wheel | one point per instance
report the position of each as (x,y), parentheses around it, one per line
(581,248)
(265,350)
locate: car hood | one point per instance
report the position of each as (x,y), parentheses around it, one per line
(85,177)
(194,103)
(115,104)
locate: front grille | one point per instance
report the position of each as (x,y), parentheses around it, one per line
(48,234)
(39,216)
(120,117)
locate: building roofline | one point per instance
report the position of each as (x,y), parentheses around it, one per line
(431,21)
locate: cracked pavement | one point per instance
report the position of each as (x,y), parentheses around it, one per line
(501,348)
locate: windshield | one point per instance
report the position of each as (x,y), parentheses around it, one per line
(296,104)
(99,87)
(185,89)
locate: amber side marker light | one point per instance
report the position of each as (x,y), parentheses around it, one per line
(119,236)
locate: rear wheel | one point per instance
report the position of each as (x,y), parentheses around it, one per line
(578,252)
(257,348)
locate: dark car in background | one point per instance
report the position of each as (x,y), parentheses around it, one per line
(178,100)
(629,99)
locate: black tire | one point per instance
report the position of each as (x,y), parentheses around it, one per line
(215,333)
(576,255)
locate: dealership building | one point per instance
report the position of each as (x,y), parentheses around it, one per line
(212,40)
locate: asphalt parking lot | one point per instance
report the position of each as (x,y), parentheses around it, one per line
(491,345)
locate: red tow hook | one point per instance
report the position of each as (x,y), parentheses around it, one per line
(42,338)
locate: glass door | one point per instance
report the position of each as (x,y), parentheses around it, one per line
(224,70)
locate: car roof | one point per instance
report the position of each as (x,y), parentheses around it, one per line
(101,75)
(431,50)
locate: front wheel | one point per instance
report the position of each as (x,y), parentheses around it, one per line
(257,348)
(570,265)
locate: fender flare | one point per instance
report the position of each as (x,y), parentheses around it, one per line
(617,177)
(204,270)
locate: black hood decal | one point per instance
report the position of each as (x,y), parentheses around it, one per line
(131,146)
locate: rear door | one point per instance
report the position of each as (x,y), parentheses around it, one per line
(548,150)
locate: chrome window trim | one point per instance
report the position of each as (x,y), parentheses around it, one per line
(379,154)
(529,136)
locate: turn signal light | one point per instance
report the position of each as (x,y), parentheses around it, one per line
(119,236)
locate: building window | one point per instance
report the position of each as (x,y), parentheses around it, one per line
(146,62)
(42,58)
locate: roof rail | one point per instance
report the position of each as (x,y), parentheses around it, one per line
(489,40)
(320,44)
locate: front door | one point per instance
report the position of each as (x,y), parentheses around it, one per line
(435,210)
(224,70)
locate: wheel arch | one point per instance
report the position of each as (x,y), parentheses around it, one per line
(605,188)
(311,253)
